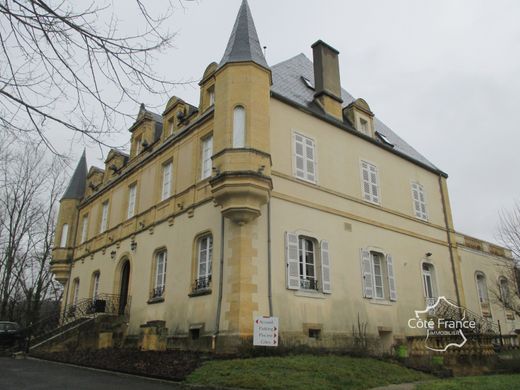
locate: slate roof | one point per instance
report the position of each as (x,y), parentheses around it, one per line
(78,181)
(288,83)
(244,44)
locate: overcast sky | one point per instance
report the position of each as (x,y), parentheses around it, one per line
(444,75)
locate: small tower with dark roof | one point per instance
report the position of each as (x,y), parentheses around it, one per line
(241,127)
(66,226)
(241,184)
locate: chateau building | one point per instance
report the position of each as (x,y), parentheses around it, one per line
(282,195)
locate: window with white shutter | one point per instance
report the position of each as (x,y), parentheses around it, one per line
(325,268)
(95,285)
(292,266)
(166,180)
(308,263)
(366,270)
(378,275)
(370,182)
(391,278)
(304,158)
(419,201)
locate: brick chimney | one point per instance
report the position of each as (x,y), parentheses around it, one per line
(326,79)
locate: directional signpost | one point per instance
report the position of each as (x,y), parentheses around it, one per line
(266,331)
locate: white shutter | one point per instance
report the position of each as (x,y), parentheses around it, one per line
(374,183)
(325,268)
(293,269)
(391,278)
(366,274)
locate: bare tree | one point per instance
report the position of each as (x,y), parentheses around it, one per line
(30,185)
(507,290)
(66,64)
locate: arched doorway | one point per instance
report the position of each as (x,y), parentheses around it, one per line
(123,290)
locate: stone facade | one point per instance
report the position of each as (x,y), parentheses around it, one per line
(196,223)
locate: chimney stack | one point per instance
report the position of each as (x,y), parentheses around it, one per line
(326,79)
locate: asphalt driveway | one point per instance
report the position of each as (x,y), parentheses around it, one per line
(39,374)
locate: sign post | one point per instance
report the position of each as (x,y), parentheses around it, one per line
(265,331)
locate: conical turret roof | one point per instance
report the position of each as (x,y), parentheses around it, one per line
(243,45)
(78,181)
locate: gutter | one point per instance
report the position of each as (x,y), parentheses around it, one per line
(452,258)
(220,284)
(269,280)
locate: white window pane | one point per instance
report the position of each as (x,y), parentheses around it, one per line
(64,235)
(239,127)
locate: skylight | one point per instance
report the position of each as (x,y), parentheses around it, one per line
(307,82)
(383,138)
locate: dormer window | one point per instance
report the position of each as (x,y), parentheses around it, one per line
(171,127)
(138,146)
(363,126)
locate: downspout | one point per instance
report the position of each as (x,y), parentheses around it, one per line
(220,283)
(269,285)
(452,258)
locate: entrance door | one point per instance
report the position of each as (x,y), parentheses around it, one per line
(123,293)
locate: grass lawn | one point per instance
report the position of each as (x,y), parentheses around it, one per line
(491,382)
(303,372)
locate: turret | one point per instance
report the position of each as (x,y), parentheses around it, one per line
(241,160)
(66,225)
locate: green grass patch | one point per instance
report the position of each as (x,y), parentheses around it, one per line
(303,372)
(490,382)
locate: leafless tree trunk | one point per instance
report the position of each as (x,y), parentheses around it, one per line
(67,64)
(507,292)
(30,185)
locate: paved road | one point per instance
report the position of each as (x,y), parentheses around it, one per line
(29,374)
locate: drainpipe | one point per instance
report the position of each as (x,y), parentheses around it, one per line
(220,283)
(269,288)
(452,258)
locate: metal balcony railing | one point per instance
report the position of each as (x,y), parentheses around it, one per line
(202,283)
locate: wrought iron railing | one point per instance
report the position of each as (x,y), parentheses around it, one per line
(157,292)
(75,313)
(309,284)
(202,283)
(484,325)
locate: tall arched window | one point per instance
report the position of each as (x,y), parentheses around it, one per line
(483,294)
(159,276)
(75,292)
(95,285)
(64,235)
(504,291)
(429,280)
(239,127)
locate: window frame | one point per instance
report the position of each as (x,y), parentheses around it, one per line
(64,235)
(321,282)
(166,186)
(485,305)
(205,170)
(370,183)
(304,156)
(418,213)
(159,286)
(84,229)
(239,135)
(132,200)
(303,263)
(95,285)
(433,280)
(105,208)
(75,292)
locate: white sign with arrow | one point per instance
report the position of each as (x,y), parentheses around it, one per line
(265,331)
